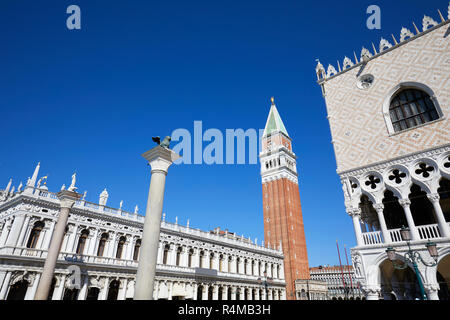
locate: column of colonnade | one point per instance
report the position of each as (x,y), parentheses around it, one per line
(379,222)
(236,291)
(202,257)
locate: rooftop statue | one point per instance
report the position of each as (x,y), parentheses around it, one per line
(72,185)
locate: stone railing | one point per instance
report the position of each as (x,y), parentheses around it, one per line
(235,241)
(373,237)
(395,235)
(67,256)
(82,204)
(429,231)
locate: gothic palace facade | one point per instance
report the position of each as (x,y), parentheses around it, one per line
(102,244)
(388,112)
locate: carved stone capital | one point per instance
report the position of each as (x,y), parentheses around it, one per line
(404,202)
(68,198)
(433,197)
(379,207)
(354,212)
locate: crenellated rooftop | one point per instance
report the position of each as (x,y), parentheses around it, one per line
(385,45)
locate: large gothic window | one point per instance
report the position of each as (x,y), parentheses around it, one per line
(410,108)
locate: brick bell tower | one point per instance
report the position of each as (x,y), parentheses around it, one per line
(283,220)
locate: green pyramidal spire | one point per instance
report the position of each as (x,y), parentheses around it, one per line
(274,122)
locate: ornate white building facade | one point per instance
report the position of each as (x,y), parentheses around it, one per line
(99,256)
(389,118)
(341,282)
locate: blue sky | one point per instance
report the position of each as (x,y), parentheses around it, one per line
(90,100)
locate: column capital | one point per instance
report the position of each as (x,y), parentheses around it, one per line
(67,198)
(354,211)
(160,158)
(433,197)
(404,202)
(378,207)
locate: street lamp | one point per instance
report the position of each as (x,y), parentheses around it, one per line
(412,257)
(265,282)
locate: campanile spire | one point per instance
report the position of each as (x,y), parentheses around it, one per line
(283,220)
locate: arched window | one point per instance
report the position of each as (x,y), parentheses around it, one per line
(179,250)
(220,264)
(211,260)
(411,107)
(113,290)
(202,254)
(102,244)
(120,246)
(137,247)
(166,253)
(34,235)
(82,241)
(191,253)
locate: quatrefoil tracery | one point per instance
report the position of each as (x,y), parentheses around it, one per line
(424,170)
(397,176)
(447,163)
(372,182)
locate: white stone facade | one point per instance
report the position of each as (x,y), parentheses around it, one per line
(335,277)
(394,178)
(104,243)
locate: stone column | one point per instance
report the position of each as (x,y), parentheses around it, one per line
(13,236)
(172,255)
(233,264)
(84,288)
(5,285)
(215,295)
(355,213)
(160,252)
(379,207)
(432,291)
(92,242)
(233,293)
(104,292)
(71,240)
(194,293)
(48,235)
(405,203)
(205,292)
(443,226)
(32,290)
(225,293)
(225,263)
(184,257)
(67,200)
(216,261)
(160,160)
(269,270)
(59,291)
(5,232)
(23,232)
(122,289)
(372,292)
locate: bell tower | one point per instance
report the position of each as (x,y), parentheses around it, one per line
(283,220)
